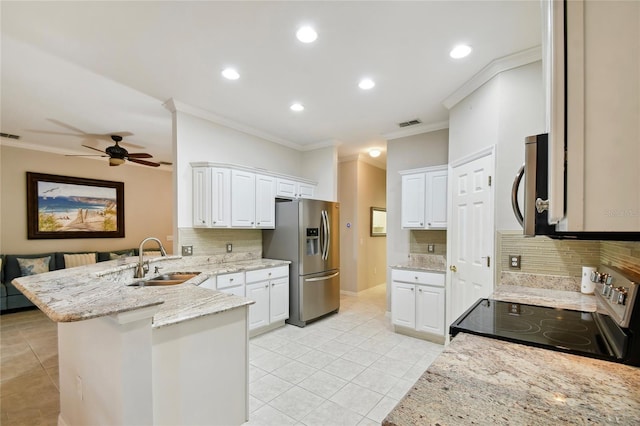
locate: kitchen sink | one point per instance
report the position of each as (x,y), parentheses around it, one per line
(171,278)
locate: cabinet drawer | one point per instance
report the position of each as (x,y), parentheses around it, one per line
(267,274)
(230,280)
(418,277)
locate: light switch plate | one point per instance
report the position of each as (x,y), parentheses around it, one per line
(514,261)
(229,247)
(187,250)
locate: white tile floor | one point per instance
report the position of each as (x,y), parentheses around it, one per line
(347,369)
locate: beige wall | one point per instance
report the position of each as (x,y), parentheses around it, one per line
(372,251)
(362,257)
(148,201)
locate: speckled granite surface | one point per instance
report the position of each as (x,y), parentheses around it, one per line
(424,262)
(101,289)
(550,282)
(478,380)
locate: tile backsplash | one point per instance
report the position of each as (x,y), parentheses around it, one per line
(419,242)
(246,242)
(562,258)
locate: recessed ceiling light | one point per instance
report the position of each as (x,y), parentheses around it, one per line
(297,107)
(230,74)
(374,152)
(307,34)
(366,84)
(460,51)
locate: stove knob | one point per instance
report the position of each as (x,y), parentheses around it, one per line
(622,296)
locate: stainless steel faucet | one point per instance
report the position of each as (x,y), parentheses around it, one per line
(143,267)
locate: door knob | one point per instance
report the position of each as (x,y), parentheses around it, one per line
(453,268)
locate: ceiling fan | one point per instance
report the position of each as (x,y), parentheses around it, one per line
(118,155)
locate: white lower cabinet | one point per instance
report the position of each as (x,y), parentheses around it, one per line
(269,288)
(417,302)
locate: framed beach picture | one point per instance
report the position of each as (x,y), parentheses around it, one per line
(72,207)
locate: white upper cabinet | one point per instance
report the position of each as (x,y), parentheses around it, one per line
(265,202)
(230,196)
(220,197)
(600,114)
(201,196)
(424,198)
(287,188)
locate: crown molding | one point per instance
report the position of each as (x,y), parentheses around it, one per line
(324,144)
(494,68)
(416,130)
(174,106)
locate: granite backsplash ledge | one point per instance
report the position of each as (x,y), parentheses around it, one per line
(542,281)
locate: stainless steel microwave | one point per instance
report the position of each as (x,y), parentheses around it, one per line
(535,217)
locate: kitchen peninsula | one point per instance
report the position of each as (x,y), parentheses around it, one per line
(133,355)
(480,380)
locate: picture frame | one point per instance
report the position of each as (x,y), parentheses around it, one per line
(73,207)
(378,222)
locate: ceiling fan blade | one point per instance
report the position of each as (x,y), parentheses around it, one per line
(144,162)
(67,126)
(95,149)
(140,155)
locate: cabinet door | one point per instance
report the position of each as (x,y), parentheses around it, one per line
(430,309)
(201,196)
(279,299)
(220,198)
(306,190)
(286,188)
(403,304)
(243,199)
(259,311)
(436,199)
(265,202)
(413,205)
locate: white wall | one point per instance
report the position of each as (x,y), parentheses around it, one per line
(411,152)
(198,139)
(321,165)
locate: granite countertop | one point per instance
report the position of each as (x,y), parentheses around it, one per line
(479,380)
(101,289)
(423,262)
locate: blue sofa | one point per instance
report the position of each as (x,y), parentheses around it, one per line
(11,298)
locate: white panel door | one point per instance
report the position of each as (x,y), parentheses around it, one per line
(243,199)
(430,309)
(259,311)
(437,201)
(279,299)
(413,201)
(220,197)
(471,264)
(265,202)
(403,304)
(201,196)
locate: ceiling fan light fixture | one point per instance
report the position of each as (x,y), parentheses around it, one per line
(116,161)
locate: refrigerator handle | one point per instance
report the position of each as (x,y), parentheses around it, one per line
(327,277)
(328,239)
(323,214)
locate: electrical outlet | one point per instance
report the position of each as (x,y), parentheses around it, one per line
(229,247)
(187,250)
(431,248)
(514,261)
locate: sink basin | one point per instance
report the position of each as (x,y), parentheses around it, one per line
(171,278)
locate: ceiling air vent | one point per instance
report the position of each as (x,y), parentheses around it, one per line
(9,136)
(409,123)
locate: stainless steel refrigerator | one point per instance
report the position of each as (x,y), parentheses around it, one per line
(307,233)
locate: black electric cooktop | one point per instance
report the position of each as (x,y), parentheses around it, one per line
(556,329)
